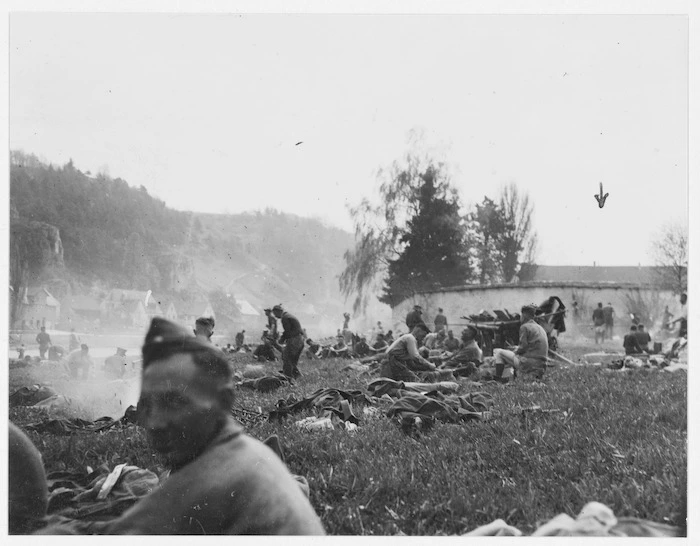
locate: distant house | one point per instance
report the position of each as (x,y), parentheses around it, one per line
(133,308)
(39,308)
(83,308)
(168,309)
(190,312)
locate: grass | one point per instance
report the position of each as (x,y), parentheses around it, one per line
(618,438)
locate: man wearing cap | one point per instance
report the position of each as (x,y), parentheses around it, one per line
(80,361)
(222,481)
(530,357)
(115,365)
(414,317)
(440,321)
(403,359)
(204,328)
(293,339)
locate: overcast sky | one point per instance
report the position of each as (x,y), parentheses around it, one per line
(205,111)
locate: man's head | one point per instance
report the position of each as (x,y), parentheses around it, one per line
(684,299)
(600,305)
(609,304)
(242,331)
(527,312)
(186,391)
(121,351)
(204,327)
(441,334)
(277,310)
(418,309)
(640,327)
(439,309)
(268,312)
(420,330)
(84,349)
(309,341)
(379,323)
(450,334)
(469,334)
(43,329)
(633,328)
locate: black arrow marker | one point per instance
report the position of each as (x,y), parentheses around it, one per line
(601,198)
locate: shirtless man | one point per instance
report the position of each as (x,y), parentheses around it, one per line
(222,481)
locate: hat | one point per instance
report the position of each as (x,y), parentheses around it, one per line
(530,308)
(417,307)
(164,334)
(267,310)
(277,307)
(84,347)
(121,350)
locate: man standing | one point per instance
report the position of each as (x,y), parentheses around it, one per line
(599,324)
(346,320)
(222,481)
(74,341)
(240,340)
(440,321)
(44,341)
(293,339)
(271,325)
(115,365)
(204,328)
(414,317)
(403,358)
(609,314)
(80,361)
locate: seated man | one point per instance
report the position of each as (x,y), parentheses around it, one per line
(468,352)
(313,351)
(451,343)
(643,338)
(115,365)
(631,342)
(340,349)
(380,345)
(361,347)
(80,361)
(403,361)
(56,352)
(530,357)
(389,337)
(222,481)
(265,352)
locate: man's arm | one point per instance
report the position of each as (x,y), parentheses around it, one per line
(522,347)
(412,349)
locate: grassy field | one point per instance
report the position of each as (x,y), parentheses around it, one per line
(618,438)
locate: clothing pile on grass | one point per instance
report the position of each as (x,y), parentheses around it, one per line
(673,358)
(333,408)
(595,519)
(66,426)
(257,377)
(40,396)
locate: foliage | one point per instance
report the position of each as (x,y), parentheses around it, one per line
(616,437)
(110,231)
(487,226)
(670,253)
(434,251)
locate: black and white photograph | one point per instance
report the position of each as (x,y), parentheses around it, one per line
(336,270)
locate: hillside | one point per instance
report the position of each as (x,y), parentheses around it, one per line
(115,235)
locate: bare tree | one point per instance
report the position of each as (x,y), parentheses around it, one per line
(518,243)
(669,251)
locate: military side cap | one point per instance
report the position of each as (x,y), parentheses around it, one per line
(165,337)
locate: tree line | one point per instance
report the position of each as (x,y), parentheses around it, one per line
(420,236)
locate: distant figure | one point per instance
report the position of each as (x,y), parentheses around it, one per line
(265,351)
(403,360)
(631,343)
(272,325)
(74,341)
(115,365)
(361,347)
(440,321)
(56,353)
(682,320)
(609,314)
(666,321)
(204,328)
(643,338)
(414,317)
(469,350)
(80,361)
(28,490)
(313,351)
(380,345)
(293,339)
(380,328)
(240,340)
(389,337)
(576,311)
(44,341)
(451,343)
(599,324)
(340,349)
(20,351)
(346,321)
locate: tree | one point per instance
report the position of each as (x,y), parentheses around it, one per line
(487,227)
(382,231)
(434,252)
(669,251)
(519,242)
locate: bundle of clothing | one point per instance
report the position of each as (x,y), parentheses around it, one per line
(325,402)
(70,426)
